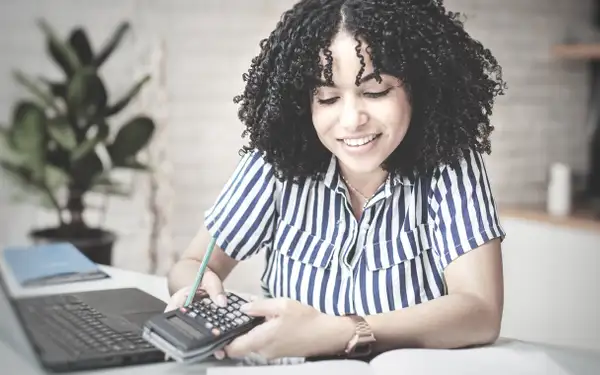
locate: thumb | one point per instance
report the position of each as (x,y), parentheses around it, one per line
(213,285)
(267,307)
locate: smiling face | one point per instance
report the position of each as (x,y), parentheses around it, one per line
(361,125)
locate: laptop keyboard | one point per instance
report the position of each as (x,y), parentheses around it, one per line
(77,327)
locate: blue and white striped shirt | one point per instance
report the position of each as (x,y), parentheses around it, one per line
(409,232)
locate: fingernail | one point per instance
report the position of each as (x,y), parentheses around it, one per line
(221,300)
(219,355)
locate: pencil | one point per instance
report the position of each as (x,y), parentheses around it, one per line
(201,270)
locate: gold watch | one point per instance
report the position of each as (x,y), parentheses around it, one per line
(361,343)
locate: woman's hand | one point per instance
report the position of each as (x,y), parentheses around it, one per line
(291,329)
(211,284)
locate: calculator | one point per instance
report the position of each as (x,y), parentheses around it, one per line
(193,333)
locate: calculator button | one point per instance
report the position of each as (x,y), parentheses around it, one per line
(238,321)
(235,305)
(237,313)
(245,319)
(192,314)
(208,325)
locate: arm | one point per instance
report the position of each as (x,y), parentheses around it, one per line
(465,235)
(241,221)
(470,314)
(184,271)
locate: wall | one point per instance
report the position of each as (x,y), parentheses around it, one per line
(551,284)
(209,45)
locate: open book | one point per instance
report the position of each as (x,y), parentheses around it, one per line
(504,357)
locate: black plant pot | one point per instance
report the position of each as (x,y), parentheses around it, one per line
(94,243)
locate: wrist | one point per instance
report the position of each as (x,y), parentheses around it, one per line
(335,333)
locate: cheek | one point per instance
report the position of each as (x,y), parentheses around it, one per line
(322,118)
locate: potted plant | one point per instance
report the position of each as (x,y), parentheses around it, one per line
(60,145)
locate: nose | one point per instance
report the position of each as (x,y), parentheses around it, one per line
(353,115)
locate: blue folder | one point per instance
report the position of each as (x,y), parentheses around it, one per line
(48,264)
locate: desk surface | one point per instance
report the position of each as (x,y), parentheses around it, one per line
(17,356)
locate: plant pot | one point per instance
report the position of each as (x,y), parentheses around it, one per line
(94,243)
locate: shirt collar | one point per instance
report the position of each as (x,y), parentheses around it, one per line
(333,181)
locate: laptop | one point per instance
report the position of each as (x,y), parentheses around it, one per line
(87,330)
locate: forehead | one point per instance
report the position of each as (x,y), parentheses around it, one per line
(349,58)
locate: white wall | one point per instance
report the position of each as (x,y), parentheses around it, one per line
(552,284)
(210,44)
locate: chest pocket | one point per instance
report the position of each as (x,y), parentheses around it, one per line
(302,246)
(406,246)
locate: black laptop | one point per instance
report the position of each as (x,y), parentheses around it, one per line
(88,330)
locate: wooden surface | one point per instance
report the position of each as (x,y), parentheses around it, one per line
(579,219)
(577,51)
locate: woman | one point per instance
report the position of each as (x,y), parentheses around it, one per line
(363,185)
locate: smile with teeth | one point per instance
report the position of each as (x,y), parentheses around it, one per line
(356,142)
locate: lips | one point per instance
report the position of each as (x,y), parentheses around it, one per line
(357,142)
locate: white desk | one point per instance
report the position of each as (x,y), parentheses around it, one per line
(16,356)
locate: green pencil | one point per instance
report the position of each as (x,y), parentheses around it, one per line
(203,265)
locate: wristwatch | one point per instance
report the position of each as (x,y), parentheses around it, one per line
(361,343)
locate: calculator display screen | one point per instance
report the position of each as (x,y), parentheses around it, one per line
(185,327)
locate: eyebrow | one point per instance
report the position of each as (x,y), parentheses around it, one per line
(363,79)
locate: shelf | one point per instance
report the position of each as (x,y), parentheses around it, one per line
(579,219)
(577,51)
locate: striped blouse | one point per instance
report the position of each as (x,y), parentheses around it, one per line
(411,229)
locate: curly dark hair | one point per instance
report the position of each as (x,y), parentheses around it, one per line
(451,80)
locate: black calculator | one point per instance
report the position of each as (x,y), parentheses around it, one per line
(195,332)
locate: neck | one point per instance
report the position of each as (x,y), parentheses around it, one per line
(366,183)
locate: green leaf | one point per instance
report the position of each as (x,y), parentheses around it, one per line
(56,178)
(34,88)
(89,144)
(60,130)
(6,147)
(29,189)
(81,44)
(86,94)
(60,51)
(59,158)
(130,139)
(29,136)
(56,88)
(85,170)
(125,100)
(111,44)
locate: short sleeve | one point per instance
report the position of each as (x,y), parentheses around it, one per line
(462,209)
(241,219)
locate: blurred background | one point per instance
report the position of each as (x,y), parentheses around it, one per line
(170,142)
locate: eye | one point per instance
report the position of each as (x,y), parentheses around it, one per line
(328,101)
(377,94)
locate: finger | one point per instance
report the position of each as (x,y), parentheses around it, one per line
(267,307)
(177,299)
(253,341)
(219,354)
(213,285)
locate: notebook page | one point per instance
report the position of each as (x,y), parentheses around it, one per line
(500,359)
(346,367)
